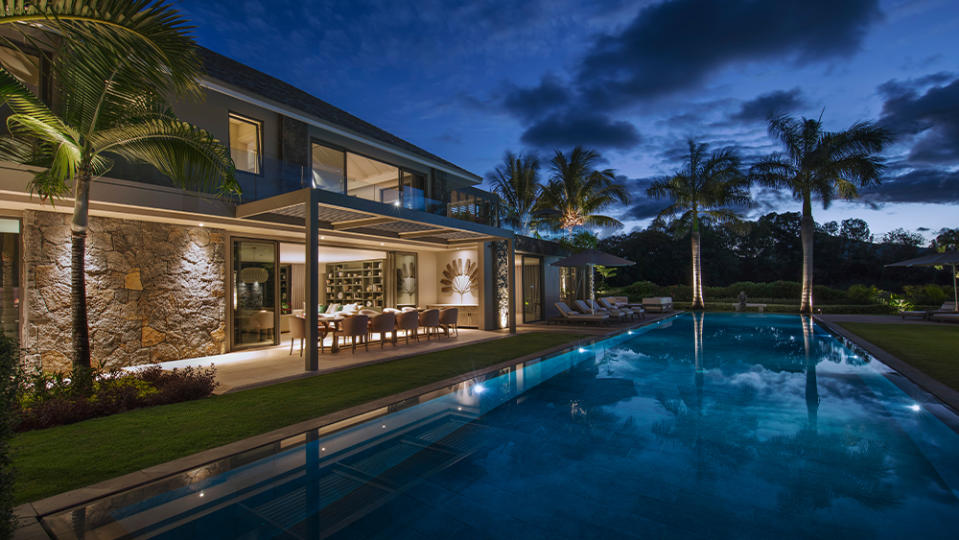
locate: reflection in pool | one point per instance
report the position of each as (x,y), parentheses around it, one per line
(718,426)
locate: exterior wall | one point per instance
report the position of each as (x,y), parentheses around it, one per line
(155,292)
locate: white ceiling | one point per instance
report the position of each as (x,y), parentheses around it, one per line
(294,254)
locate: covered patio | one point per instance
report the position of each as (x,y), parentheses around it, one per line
(395,257)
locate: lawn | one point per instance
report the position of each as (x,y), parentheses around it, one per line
(930,349)
(62,458)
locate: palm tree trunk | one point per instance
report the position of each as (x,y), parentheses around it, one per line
(78,229)
(697,273)
(807,229)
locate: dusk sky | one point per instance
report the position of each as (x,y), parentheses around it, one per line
(469,80)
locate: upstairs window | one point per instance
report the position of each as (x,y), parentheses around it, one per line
(329,165)
(25,67)
(245,143)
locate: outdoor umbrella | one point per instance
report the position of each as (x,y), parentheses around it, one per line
(590,258)
(949,258)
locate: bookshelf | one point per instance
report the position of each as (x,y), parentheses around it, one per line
(358,282)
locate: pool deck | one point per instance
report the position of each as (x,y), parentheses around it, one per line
(945,394)
(29,514)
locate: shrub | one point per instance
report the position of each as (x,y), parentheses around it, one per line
(9,386)
(48,399)
(932,295)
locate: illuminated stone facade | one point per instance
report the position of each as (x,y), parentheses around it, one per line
(155,291)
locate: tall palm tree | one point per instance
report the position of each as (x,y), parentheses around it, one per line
(577,191)
(707,185)
(106,110)
(821,164)
(516,181)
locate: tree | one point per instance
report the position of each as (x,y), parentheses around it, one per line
(577,191)
(107,109)
(821,164)
(855,229)
(516,181)
(902,237)
(946,240)
(707,185)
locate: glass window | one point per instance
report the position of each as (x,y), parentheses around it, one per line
(414,190)
(328,166)
(531,280)
(371,179)
(254,294)
(245,142)
(25,67)
(10,277)
(406,286)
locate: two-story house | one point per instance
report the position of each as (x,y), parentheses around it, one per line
(333,210)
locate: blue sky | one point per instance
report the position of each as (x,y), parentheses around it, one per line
(469,80)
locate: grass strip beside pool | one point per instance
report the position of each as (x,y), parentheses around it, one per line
(929,348)
(62,458)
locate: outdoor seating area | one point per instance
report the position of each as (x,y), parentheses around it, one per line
(350,325)
(946,313)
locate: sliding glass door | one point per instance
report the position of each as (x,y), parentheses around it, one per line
(532,280)
(254,293)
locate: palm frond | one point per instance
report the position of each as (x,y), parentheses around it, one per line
(190,156)
(150,32)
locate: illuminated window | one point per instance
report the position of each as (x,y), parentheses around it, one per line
(328,165)
(371,179)
(25,67)
(245,143)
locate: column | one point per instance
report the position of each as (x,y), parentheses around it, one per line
(511,272)
(311,359)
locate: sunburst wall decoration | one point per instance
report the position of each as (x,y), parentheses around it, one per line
(459,277)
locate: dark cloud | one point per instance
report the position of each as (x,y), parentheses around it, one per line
(672,46)
(768,105)
(918,186)
(530,103)
(929,119)
(641,206)
(571,128)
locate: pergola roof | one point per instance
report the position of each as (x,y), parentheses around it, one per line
(339,212)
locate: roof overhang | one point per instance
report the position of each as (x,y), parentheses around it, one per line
(371,220)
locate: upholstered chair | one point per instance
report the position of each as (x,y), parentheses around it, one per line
(448,321)
(382,324)
(297,332)
(430,321)
(356,327)
(409,321)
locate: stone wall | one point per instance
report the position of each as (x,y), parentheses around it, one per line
(155,291)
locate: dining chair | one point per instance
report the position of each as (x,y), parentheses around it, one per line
(383,324)
(297,332)
(355,327)
(449,318)
(430,321)
(409,321)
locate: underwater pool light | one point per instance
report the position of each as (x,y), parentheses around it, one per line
(479,389)
(582,349)
(915,407)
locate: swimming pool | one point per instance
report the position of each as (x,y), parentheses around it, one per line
(715,425)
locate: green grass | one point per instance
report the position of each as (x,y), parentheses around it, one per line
(930,349)
(62,458)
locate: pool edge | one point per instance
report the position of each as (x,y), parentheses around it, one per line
(940,391)
(30,514)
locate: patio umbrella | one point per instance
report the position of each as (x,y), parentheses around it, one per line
(589,258)
(948,258)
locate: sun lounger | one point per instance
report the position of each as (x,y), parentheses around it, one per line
(658,304)
(945,317)
(602,305)
(568,315)
(585,309)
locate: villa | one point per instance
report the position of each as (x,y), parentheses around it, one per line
(333,210)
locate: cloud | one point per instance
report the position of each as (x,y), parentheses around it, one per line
(573,128)
(530,103)
(768,105)
(672,46)
(917,186)
(929,119)
(641,206)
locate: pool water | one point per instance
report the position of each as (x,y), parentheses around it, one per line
(702,426)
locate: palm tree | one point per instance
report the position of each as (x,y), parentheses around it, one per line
(707,185)
(578,191)
(823,164)
(106,110)
(151,32)
(516,181)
